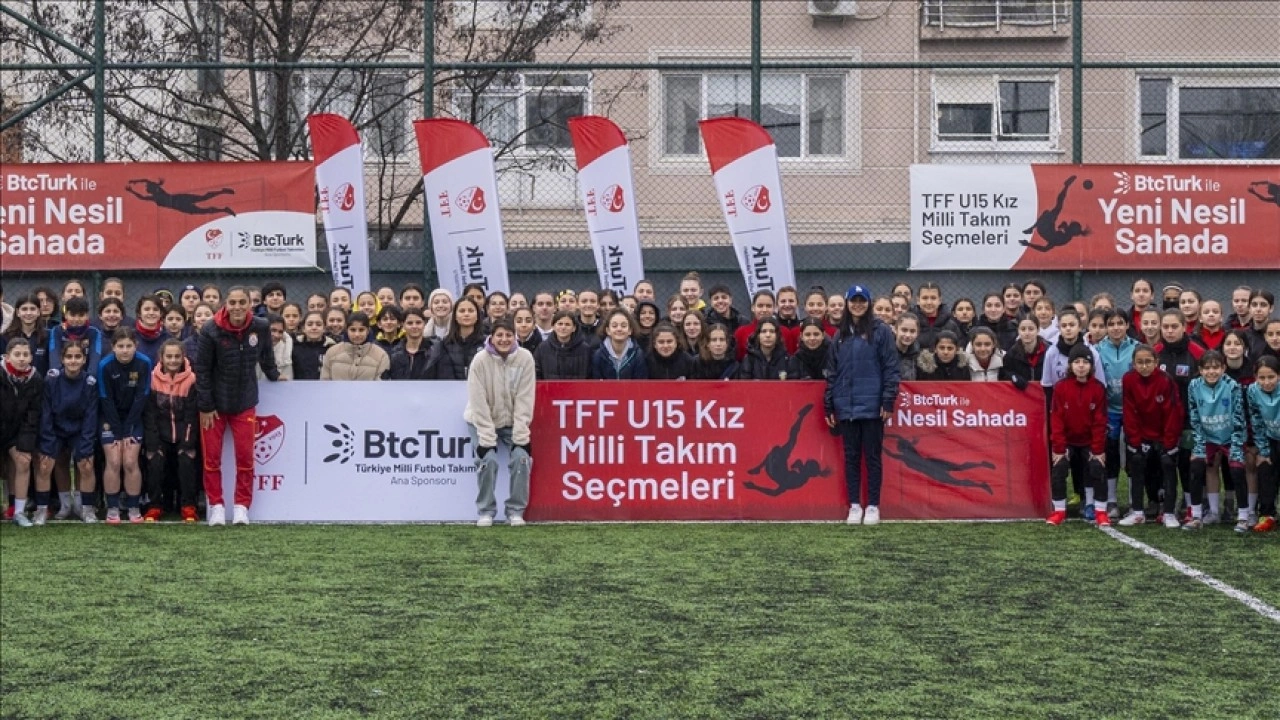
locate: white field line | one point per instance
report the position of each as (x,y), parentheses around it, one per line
(1245,598)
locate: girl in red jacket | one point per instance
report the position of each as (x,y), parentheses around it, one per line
(1152,419)
(1078,434)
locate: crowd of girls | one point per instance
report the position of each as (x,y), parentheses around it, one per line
(1176,388)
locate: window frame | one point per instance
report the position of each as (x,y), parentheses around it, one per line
(994,144)
(518,94)
(362,110)
(1173,112)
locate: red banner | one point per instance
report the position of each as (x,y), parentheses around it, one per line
(966,451)
(142,216)
(1069,217)
(642,451)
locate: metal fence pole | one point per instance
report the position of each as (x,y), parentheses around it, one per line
(428,110)
(756,71)
(1077,108)
(99,81)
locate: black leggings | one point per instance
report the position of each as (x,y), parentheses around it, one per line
(1267,478)
(1153,459)
(157,471)
(863,439)
(1079,463)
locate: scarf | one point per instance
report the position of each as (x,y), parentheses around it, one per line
(148,334)
(75,334)
(17,374)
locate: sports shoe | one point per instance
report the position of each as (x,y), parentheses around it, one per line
(1057,517)
(1113,511)
(1253,518)
(1152,512)
(855,515)
(88,515)
(871,516)
(1266,523)
(64,512)
(1242,527)
(240,515)
(1101,518)
(217,515)
(153,515)
(135,516)
(113,516)
(20,519)
(1087,513)
(1211,518)
(189,514)
(484,521)
(40,516)
(1171,521)
(516,520)
(9,512)
(1193,524)
(1135,517)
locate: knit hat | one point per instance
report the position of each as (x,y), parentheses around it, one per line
(439,291)
(1080,351)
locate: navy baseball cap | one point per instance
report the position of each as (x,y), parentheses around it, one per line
(856,291)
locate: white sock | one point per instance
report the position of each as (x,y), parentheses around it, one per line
(19,506)
(1215,502)
(855,506)
(1059,505)
(1253,501)
(1186,498)
(1242,514)
(1088,496)
(65,499)
(1197,511)
(1111,489)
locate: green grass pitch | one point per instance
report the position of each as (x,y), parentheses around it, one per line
(632,621)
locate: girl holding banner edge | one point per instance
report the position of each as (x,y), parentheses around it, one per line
(862,386)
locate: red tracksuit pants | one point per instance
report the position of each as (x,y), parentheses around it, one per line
(242,428)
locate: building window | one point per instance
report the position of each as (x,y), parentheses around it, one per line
(1187,119)
(803,112)
(373,101)
(529,111)
(984,112)
(994,13)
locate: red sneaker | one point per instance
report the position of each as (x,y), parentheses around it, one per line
(1057,518)
(1102,518)
(152,515)
(189,514)
(8,513)
(1265,524)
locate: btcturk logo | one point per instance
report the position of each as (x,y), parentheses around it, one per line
(213,238)
(471,200)
(785,473)
(757,200)
(613,199)
(268,438)
(345,197)
(242,240)
(344,440)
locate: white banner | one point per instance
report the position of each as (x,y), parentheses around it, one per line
(947,235)
(607,190)
(400,454)
(461,193)
(744,166)
(340,183)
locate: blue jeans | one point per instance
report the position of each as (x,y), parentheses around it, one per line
(520,465)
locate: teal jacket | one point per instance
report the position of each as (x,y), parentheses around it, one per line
(1264,417)
(1116,361)
(1217,416)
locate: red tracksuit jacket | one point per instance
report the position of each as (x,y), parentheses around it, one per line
(1152,409)
(1078,416)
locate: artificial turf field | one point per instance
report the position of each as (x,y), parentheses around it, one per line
(1014,620)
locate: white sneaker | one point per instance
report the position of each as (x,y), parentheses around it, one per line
(1135,517)
(516,520)
(64,512)
(240,515)
(88,515)
(1211,518)
(41,516)
(1171,521)
(855,515)
(217,515)
(485,521)
(872,516)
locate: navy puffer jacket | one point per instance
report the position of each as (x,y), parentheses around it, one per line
(862,374)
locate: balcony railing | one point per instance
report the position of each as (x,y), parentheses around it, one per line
(941,14)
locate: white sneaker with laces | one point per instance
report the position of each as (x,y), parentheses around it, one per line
(1171,521)
(41,516)
(240,515)
(1211,518)
(872,516)
(1135,517)
(64,512)
(485,521)
(516,520)
(217,515)
(855,515)
(88,515)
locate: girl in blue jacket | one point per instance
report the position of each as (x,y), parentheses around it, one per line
(1116,352)
(69,421)
(618,357)
(1264,419)
(1218,431)
(124,380)
(862,385)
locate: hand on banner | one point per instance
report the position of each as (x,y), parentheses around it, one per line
(831,421)
(207,419)
(885,415)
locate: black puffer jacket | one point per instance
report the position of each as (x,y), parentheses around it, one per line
(812,364)
(677,367)
(20,404)
(451,359)
(563,361)
(227,360)
(407,365)
(724,369)
(929,368)
(308,356)
(778,366)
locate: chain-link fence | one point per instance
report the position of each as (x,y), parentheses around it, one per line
(853,92)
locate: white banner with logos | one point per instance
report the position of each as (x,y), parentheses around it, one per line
(608,196)
(363,452)
(340,185)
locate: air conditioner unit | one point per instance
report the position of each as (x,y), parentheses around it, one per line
(833,8)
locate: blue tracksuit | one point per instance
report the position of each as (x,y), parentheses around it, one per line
(70,416)
(1116,361)
(123,389)
(91,341)
(1264,417)
(1217,416)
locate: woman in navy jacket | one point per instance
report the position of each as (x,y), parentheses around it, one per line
(862,385)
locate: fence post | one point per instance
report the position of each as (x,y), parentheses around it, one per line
(1077,109)
(756,73)
(99,81)
(428,111)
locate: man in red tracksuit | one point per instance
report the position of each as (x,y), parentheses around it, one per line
(1152,420)
(231,346)
(1078,435)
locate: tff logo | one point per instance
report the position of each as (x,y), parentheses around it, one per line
(213,238)
(268,438)
(471,200)
(345,197)
(613,199)
(756,199)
